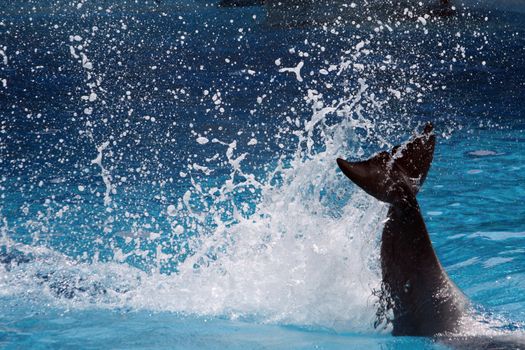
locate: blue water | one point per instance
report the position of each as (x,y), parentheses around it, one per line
(164,185)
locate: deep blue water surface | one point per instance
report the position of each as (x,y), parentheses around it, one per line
(167,181)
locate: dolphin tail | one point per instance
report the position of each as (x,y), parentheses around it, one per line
(395,176)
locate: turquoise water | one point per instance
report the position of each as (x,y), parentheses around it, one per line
(167,180)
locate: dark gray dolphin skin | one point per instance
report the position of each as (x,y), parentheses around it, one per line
(423,299)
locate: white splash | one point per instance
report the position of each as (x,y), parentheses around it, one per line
(104,173)
(5,61)
(302,250)
(3,55)
(201,140)
(296,70)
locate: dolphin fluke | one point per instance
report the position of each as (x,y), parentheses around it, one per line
(414,285)
(376,176)
(414,158)
(396,176)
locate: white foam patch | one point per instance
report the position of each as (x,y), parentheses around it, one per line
(483,153)
(316,274)
(496,261)
(498,235)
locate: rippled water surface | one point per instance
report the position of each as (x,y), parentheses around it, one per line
(168,175)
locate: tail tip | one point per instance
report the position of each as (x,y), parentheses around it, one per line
(428,128)
(341,162)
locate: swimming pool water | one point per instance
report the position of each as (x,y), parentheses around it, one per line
(168,181)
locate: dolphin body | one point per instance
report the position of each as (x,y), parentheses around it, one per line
(423,299)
